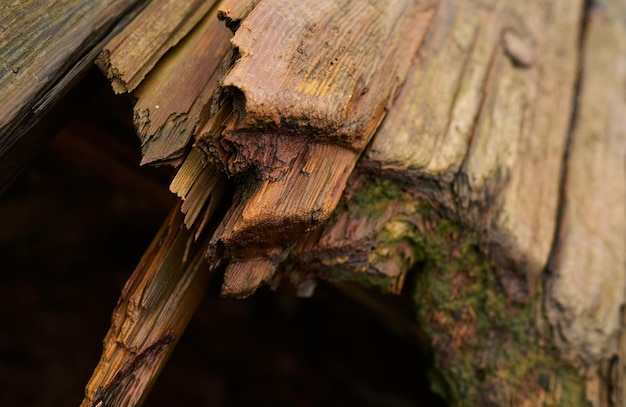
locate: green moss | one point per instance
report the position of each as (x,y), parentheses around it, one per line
(486,350)
(373,197)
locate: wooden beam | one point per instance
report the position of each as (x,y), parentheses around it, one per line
(44,49)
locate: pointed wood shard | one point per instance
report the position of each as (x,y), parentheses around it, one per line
(152,312)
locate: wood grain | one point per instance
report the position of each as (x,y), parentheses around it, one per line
(481,125)
(328,74)
(587,288)
(44,49)
(152,312)
(127,58)
(174,99)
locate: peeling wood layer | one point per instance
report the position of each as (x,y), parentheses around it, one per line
(153,311)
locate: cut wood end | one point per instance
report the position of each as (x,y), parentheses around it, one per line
(243,278)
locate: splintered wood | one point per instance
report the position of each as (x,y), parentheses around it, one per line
(128,58)
(299,105)
(353,129)
(151,315)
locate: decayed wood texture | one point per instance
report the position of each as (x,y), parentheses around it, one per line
(363,245)
(298,106)
(481,124)
(327,75)
(45,48)
(587,287)
(128,58)
(175,96)
(153,311)
(233,11)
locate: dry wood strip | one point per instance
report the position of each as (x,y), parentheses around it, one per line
(242,278)
(277,211)
(200,185)
(127,59)
(481,123)
(152,313)
(44,49)
(176,95)
(587,289)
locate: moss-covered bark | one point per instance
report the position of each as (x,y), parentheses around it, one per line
(486,350)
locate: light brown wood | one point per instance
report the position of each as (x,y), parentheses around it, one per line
(481,124)
(201,187)
(233,11)
(151,315)
(327,75)
(242,278)
(587,288)
(174,99)
(127,58)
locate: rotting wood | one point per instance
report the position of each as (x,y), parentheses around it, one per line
(587,286)
(481,124)
(44,49)
(127,58)
(327,75)
(152,313)
(300,139)
(176,95)
(477,148)
(233,11)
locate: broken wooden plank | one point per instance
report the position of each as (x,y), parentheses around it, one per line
(327,75)
(481,124)
(587,285)
(176,95)
(44,49)
(151,315)
(127,58)
(283,123)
